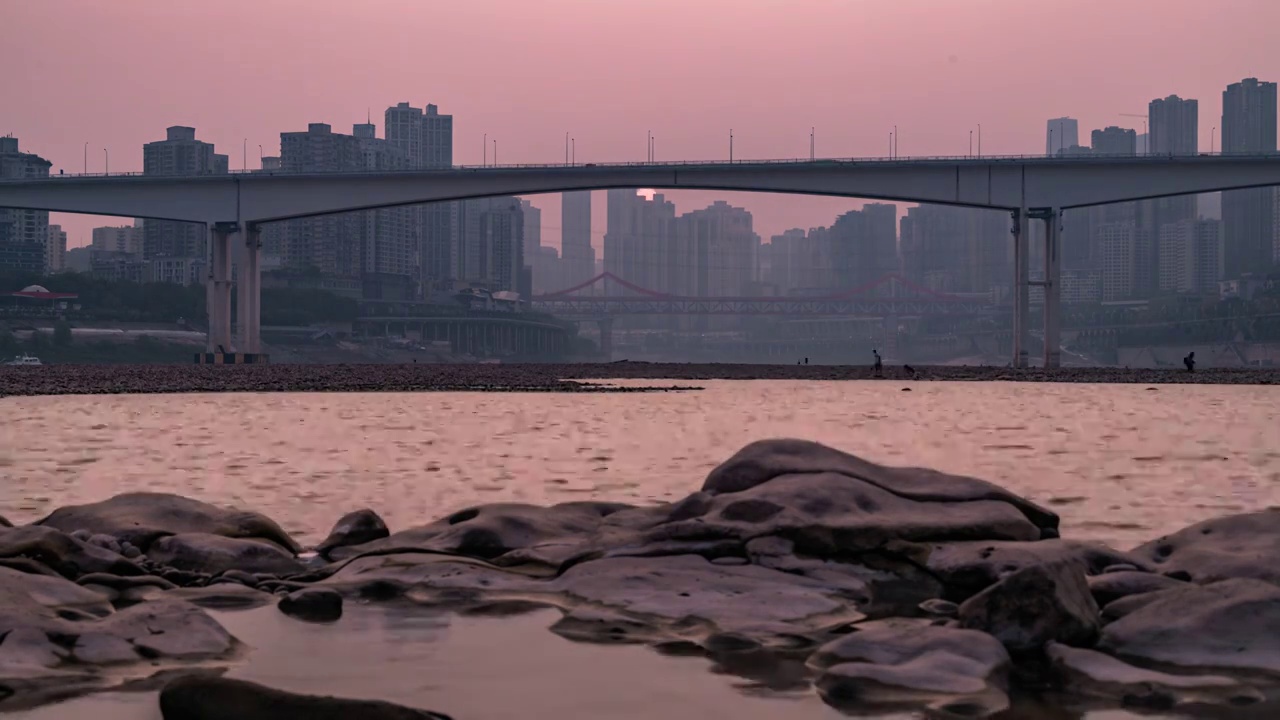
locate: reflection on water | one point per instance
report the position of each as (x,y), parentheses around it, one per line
(1119,463)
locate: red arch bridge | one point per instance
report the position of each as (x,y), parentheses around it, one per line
(609,295)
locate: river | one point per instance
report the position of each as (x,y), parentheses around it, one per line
(1120,463)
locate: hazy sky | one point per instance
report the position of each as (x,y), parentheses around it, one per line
(116,73)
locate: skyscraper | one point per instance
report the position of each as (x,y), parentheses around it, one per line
(491,244)
(426,139)
(577,256)
(1114,140)
(1248,216)
(180,153)
(1173,127)
(864,245)
(23,233)
(639,244)
(330,244)
(55,250)
(1061,133)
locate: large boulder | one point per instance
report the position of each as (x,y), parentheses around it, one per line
(688,597)
(140,518)
(213,554)
(1113,586)
(312,604)
(894,664)
(354,528)
(489,531)
(1227,626)
(56,637)
(1236,546)
(1090,673)
(37,549)
(764,460)
(425,577)
(1034,606)
(968,568)
(207,697)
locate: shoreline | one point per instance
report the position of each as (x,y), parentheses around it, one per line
(551,377)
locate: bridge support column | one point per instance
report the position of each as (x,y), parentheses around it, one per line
(249,285)
(606,337)
(1052,288)
(1021,289)
(218,288)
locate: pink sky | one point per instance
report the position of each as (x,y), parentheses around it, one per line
(115,74)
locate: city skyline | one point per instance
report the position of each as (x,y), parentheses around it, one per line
(958,59)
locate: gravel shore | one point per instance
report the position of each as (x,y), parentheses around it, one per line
(112,379)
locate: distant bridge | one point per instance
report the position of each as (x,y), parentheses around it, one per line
(885,296)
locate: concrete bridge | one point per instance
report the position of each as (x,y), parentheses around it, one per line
(1029,187)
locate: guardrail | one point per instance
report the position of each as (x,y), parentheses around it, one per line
(700,163)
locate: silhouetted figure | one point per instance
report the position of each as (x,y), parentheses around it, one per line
(1190,362)
(879,366)
(806,361)
(911,372)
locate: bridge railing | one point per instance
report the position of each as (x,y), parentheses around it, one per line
(1065,159)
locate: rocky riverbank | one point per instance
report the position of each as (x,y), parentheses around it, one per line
(108,379)
(888,588)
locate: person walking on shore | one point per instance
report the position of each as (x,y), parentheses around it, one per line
(1190,362)
(879,366)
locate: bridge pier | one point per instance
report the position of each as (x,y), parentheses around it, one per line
(1021,286)
(249,287)
(218,288)
(1052,289)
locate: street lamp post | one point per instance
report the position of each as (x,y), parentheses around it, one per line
(890,144)
(1213,139)
(979,139)
(970,143)
(811,155)
(495,152)
(573,151)
(730,144)
(106,162)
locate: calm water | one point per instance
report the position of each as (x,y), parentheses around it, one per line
(1121,464)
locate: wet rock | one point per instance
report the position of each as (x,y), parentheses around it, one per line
(223,596)
(940,608)
(1115,585)
(967,568)
(1036,605)
(489,531)
(896,665)
(29,647)
(354,528)
(1236,546)
(61,553)
(762,461)
(128,550)
(43,596)
(312,604)
(1224,626)
(106,542)
(1093,674)
(96,648)
(184,578)
(238,576)
(1120,567)
(214,554)
(701,598)
(141,518)
(431,577)
(205,697)
(117,582)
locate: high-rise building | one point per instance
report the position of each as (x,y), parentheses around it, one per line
(957,249)
(1174,127)
(640,243)
(1117,249)
(1061,133)
(1114,140)
(1248,216)
(532,227)
(717,249)
(23,233)
(125,239)
(180,153)
(329,244)
(491,248)
(55,250)
(426,139)
(1189,256)
(864,245)
(577,256)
